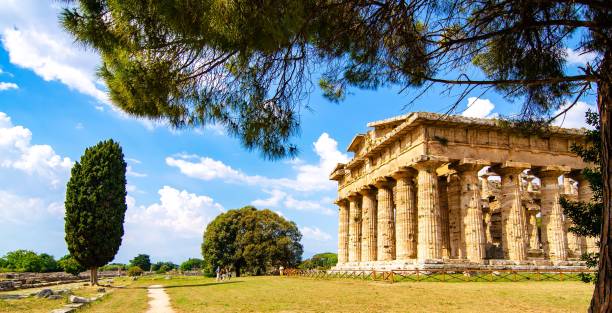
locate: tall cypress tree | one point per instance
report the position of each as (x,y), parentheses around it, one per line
(95,206)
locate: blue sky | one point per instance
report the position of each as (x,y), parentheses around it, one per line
(52,107)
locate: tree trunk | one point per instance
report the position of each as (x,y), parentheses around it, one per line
(93,276)
(237,271)
(603,291)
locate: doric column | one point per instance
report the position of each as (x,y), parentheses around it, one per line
(386,222)
(368,224)
(354,251)
(428,207)
(484,189)
(343,230)
(455,218)
(405,214)
(514,237)
(567,186)
(444,223)
(585,194)
(471,205)
(529,179)
(532,229)
(554,240)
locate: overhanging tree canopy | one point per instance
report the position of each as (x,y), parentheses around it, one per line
(247,64)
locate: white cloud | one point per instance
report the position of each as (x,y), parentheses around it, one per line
(579,57)
(575,117)
(7,86)
(17,152)
(308,177)
(17,209)
(180,212)
(131,172)
(315,233)
(480,108)
(276,196)
(307,205)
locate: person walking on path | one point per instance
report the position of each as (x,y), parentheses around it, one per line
(218,273)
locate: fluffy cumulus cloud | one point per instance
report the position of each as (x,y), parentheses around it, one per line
(178,211)
(314,233)
(579,57)
(280,199)
(31,34)
(308,177)
(17,209)
(477,107)
(8,86)
(17,152)
(575,116)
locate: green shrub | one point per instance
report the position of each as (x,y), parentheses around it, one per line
(192,264)
(114,267)
(29,261)
(69,265)
(134,271)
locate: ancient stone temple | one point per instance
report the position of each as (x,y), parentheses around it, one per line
(427,190)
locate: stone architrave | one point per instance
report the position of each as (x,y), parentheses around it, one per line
(343,232)
(444,215)
(472,208)
(368,224)
(514,237)
(428,207)
(405,214)
(386,221)
(554,241)
(585,194)
(455,220)
(354,252)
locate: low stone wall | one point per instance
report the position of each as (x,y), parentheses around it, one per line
(13,281)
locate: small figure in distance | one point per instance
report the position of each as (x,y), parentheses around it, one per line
(218,273)
(280,270)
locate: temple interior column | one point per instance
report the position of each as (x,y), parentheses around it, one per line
(386,221)
(444,215)
(471,205)
(456,230)
(514,237)
(405,215)
(585,194)
(354,250)
(343,222)
(368,224)
(428,207)
(574,242)
(554,241)
(532,229)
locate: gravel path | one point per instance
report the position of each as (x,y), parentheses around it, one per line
(159,301)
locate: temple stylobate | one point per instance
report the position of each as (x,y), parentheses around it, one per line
(428,190)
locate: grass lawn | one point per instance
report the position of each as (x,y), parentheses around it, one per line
(293,294)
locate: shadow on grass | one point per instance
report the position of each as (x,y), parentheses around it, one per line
(187,285)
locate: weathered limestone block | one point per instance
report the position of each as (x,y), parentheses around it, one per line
(514,237)
(368,224)
(553,234)
(444,215)
(428,207)
(455,217)
(471,205)
(343,230)
(386,221)
(405,215)
(354,251)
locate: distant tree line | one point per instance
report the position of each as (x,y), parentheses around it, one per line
(30,261)
(321,261)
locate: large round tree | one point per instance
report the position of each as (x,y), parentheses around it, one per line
(95,206)
(251,240)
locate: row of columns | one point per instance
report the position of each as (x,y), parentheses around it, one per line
(442,217)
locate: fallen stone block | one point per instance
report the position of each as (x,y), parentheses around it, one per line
(55,297)
(12,297)
(74,305)
(44,293)
(76,299)
(63,310)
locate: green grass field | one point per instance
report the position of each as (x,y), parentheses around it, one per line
(294,294)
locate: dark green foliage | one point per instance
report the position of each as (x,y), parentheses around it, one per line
(192,264)
(143,261)
(95,205)
(134,271)
(162,267)
(28,261)
(586,216)
(321,261)
(69,265)
(251,240)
